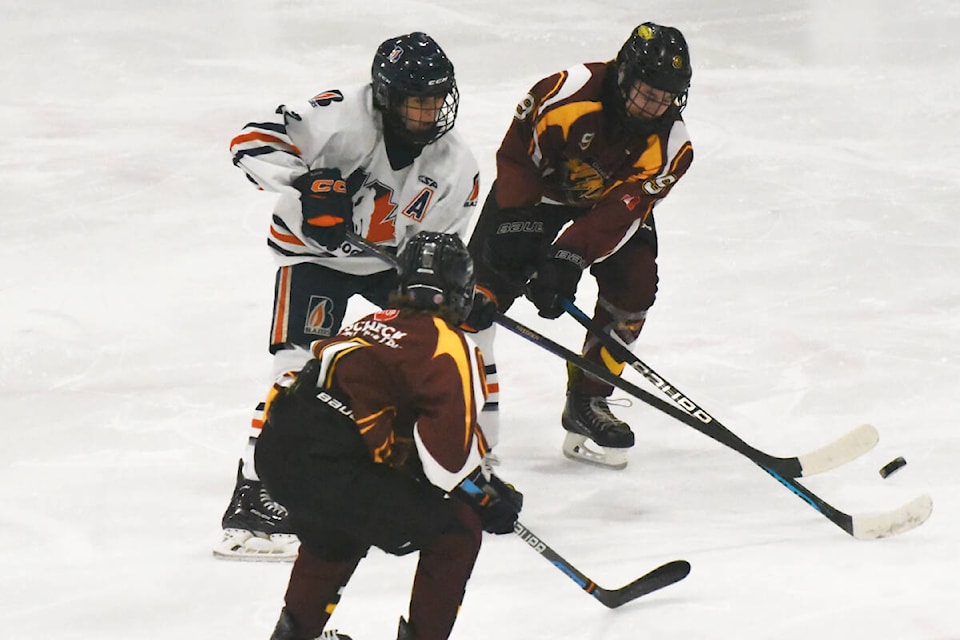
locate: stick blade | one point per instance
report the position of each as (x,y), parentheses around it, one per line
(662,576)
(841,451)
(890,523)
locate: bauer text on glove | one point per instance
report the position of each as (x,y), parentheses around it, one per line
(519,234)
(557,278)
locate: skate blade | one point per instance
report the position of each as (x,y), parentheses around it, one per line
(242,545)
(575,448)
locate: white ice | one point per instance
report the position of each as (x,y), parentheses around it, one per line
(809,280)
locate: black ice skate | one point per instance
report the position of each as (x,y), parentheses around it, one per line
(255,527)
(589,417)
(287,629)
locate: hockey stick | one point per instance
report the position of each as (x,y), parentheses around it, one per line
(841,451)
(662,576)
(784,470)
(371,249)
(860,526)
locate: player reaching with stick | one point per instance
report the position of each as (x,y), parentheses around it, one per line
(596,147)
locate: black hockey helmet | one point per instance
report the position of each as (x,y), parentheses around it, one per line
(657,56)
(414,65)
(436,272)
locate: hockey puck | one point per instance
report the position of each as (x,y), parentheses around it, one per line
(892,467)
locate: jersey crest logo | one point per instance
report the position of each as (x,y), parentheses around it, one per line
(384,215)
(319,317)
(326,98)
(583,181)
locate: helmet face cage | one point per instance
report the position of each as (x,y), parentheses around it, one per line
(436,271)
(409,66)
(657,56)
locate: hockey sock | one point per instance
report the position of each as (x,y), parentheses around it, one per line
(314,590)
(442,573)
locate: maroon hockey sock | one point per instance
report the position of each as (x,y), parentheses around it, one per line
(442,573)
(314,590)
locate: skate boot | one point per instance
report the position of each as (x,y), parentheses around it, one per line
(589,417)
(255,527)
(287,629)
(404,632)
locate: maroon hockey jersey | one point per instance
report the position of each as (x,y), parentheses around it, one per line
(564,148)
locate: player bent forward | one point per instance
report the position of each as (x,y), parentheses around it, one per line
(591,152)
(375,442)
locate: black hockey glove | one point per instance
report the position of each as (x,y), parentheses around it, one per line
(326,206)
(482,313)
(497,503)
(556,280)
(512,248)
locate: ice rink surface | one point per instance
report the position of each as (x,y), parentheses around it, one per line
(810,282)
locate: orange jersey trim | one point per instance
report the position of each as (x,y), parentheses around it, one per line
(259,136)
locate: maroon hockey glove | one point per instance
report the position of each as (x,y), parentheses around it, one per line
(556,280)
(482,313)
(326,206)
(497,503)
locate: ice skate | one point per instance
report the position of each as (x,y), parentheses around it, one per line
(287,629)
(589,418)
(255,527)
(404,632)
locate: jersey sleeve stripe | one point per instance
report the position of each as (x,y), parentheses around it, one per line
(547,96)
(268,126)
(279,143)
(286,238)
(259,151)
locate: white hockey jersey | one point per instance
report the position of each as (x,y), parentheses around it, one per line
(341,129)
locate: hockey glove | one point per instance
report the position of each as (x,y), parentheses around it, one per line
(556,280)
(511,249)
(497,503)
(483,311)
(326,206)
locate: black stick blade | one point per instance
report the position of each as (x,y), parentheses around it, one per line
(662,576)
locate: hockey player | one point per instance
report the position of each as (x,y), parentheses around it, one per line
(376,443)
(598,145)
(379,159)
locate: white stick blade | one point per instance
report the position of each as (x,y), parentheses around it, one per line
(840,451)
(891,523)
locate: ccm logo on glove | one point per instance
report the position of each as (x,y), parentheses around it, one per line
(326,185)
